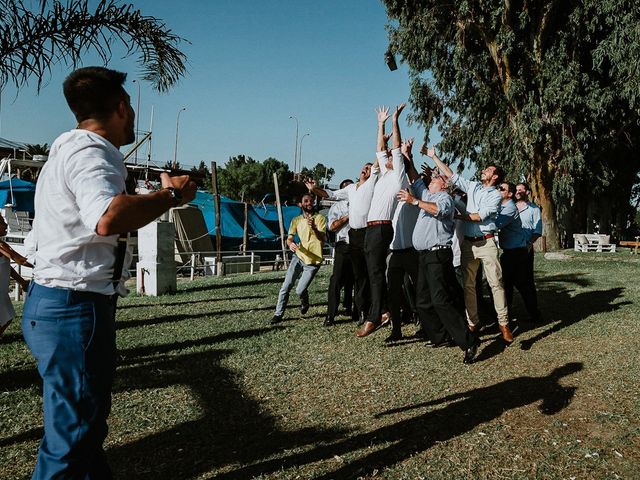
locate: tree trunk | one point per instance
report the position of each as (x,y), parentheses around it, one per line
(541,185)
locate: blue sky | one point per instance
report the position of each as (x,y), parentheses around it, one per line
(252,64)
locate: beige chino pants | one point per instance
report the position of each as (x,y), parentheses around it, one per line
(473,254)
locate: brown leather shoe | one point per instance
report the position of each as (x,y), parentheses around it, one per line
(506,333)
(473,328)
(385,318)
(366,329)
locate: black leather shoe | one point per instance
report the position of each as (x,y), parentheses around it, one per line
(470,354)
(304,305)
(329,322)
(394,337)
(444,343)
(276,319)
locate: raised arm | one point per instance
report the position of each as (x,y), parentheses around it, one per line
(443,167)
(406,148)
(397,139)
(383,116)
(313,188)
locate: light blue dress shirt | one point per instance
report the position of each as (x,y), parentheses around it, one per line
(508,222)
(482,200)
(433,230)
(531,218)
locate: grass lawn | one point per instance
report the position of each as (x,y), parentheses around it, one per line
(206,388)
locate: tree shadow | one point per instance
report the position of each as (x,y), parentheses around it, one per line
(132,355)
(457,414)
(30,435)
(231,284)
(188,302)
(232,430)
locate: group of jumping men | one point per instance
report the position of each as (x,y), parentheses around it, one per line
(414,242)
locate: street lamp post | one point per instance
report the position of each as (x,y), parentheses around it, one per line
(137,121)
(295,148)
(175,151)
(300,153)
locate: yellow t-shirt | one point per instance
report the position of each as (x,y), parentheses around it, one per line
(310,246)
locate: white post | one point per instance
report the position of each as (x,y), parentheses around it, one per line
(193,265)
(253,256)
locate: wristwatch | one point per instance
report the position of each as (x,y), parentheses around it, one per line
(176,194)
(416,202)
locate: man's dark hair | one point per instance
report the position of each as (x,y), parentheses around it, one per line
(499,172)
(525,185)
(345,182)
(510,187)
(308,194)
(94,92)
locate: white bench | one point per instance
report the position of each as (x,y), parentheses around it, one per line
(587,242)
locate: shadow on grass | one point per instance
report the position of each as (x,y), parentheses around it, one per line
(230,284)
(231,430)
(188,302)
(183,317)
(132,355)
(570,309)
(30,435)
(455,415)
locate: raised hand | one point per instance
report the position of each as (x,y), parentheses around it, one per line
(387,137)
(406,147)
(426,169)
(399,109)
(404,196)
(310,183)
(383,114)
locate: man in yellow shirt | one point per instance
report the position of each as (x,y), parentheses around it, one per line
(307,255)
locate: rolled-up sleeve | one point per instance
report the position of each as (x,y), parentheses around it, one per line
(462,183)
(342,194)
(94,181)
(445,206)
(489,204)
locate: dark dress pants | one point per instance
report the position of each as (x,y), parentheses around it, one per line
(517,271)
(435,299)
(341,278)
(360,274)
(376,248)
(401,263)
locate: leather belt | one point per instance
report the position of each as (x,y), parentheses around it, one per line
(378,222)
(439,247)
(478,239)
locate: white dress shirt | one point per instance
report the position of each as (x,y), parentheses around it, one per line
(76,186)
(337,211)
(384,201)
(359,199)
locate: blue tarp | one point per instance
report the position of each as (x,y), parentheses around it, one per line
(23,194)
(263,230)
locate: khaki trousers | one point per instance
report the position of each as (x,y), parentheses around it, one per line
(473,254)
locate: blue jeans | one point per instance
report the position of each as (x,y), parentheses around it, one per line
(296,268)
(72,337)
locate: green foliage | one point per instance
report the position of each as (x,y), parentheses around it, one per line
(202,176)
(243,178)
(38,34)
(547,89)
(320,173)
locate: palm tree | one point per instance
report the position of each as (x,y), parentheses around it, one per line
(38,34)
(37,149)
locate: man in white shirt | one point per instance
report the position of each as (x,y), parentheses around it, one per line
(379,221)
(69,313)
(359,197)
(342,275)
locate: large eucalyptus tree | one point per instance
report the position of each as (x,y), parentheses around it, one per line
(546,88)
